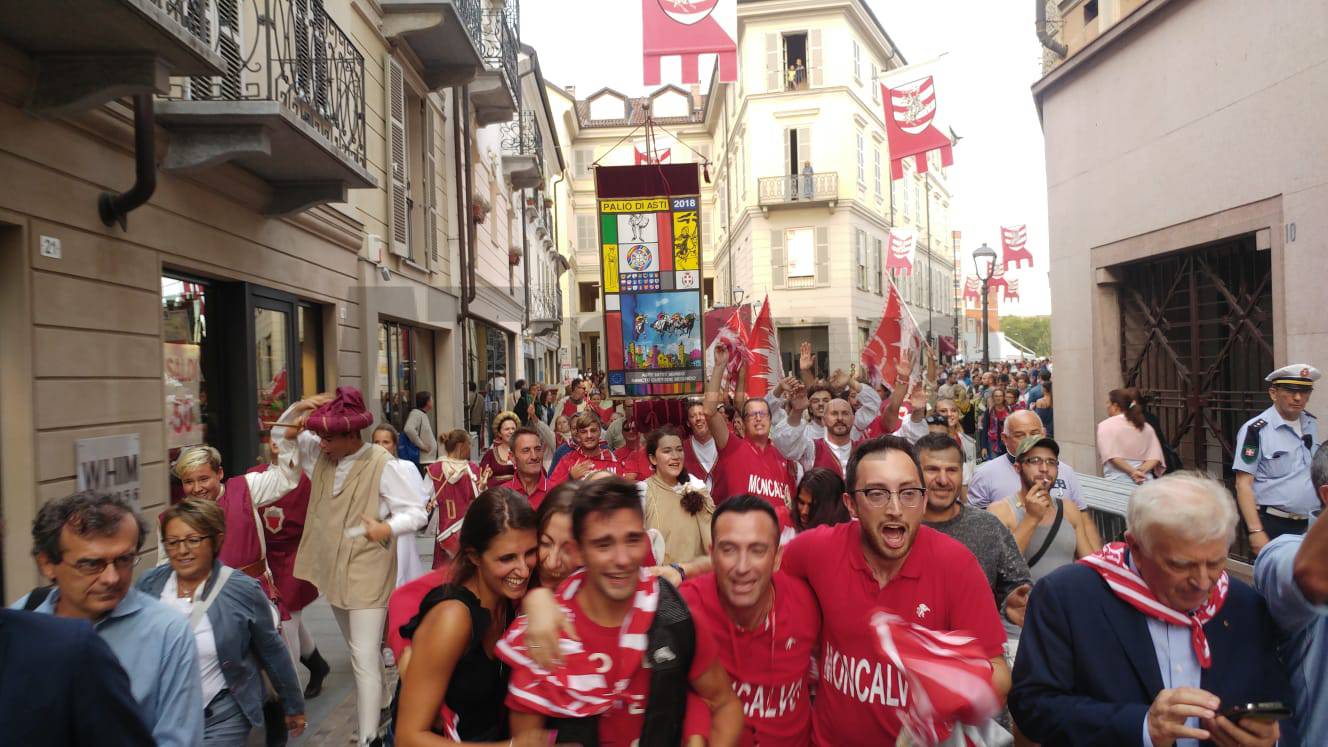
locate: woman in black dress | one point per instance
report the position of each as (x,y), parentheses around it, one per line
(454,688)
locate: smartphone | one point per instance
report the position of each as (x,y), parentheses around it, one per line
(1274,711)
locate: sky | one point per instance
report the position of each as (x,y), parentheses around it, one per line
(993,58)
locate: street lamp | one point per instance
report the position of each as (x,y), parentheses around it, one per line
(985,256)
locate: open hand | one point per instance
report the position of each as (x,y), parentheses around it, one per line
(806,359)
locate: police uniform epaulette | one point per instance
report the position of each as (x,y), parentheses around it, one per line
(1249,451)
(1307,412)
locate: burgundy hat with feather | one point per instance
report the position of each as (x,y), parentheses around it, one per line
(344,414)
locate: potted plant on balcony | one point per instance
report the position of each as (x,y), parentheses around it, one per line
(479,208)
(514,255)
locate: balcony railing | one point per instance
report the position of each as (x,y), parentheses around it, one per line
(522,136)
(498,45)
(287,51)
(779,190)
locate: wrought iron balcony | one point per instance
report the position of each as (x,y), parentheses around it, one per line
(523,151)
(495,93)
(800,190)
(88,52)
(289,106)
(443,34)
(546,310)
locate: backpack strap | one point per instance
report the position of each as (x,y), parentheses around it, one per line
(1051,534)
(202,604)
(36,597)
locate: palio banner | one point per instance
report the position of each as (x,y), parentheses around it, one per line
(650,257)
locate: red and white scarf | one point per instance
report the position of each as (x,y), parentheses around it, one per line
(951,698)
(578,688)
(1113,565)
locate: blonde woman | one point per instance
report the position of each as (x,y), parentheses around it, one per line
(498,459)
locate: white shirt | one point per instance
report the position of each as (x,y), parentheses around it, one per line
(706,453)
(209,666)
(399,496)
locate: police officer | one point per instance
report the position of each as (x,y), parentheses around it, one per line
(1272,464)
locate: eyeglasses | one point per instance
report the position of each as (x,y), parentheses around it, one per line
(192,542)
(880,497)
(758,415)
(96,566)
(1038,461)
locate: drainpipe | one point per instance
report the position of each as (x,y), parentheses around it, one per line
(115,208)
(1043,35)
(463,226)
(525,260)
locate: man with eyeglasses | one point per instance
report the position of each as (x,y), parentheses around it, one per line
(87,544)
(749,463)
(885,559)
(996,478)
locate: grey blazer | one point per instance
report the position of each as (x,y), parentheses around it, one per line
(241,620)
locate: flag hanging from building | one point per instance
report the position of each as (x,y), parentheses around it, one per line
(689,29)
(1011,290)
(896,333)
(998,279)
(765,369)
(903,244)
(1014,249)
(912,124)
(641,152)
(973,290)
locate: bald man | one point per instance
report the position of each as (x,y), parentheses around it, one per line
(996,478)
(797,442)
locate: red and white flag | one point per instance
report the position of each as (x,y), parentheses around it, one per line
(949,682)
(896,333)
(912,126)
(643,156)
(1011,290)
(732,336)
(1014,247)
(903,243)
(688,29)
(765,369)
(973,290)
(998,279)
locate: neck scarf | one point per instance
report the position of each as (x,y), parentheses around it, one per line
(1112,563)
(577,689)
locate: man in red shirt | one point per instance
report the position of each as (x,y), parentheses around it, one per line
(608,684)
(632,460)
(798,442)
(766,623)
(750,463)
(528,454)
(574,402)
(589,455)
(885,559)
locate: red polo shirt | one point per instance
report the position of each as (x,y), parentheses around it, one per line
(633,461)
(537,496)
(940,586)
(602,459)
(741,467)
(771,665)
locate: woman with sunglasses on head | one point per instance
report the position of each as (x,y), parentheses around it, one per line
(452,688)
(233,622)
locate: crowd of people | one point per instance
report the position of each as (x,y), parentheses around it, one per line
(840,562)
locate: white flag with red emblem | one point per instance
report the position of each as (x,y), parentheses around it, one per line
(896,333)
(765,369)
(1014,247)
(915,121)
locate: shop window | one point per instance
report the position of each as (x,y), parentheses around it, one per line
(189,352)
(405,368)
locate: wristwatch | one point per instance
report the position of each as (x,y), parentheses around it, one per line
(682,575)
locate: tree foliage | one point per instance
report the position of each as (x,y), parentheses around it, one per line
(1033,332)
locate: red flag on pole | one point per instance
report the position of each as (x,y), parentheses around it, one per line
(910,127)
(689,29)
(765,368)
(732,336)
(896,332)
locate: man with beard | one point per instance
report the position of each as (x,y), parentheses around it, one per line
(575,401)
(885,559)
(996,478)
(765,622)
(700,452)
(640,650)
(795,439)
(983,534)
(589,455)
(528,454)
(750,463)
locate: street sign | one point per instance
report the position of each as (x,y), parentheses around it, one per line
(109,465)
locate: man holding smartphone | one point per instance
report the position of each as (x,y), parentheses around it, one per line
(1149,641)
(1292,574)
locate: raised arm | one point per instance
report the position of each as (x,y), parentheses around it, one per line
(806,365)
(714,396)
(790,436)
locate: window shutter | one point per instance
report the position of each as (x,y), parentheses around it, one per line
(398,215)
(880,267)
(789,166)
(875,84)
(778,270)
(814,57)
(822,256)
(431,186)
(805,147)
(774,72)
(857,61)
